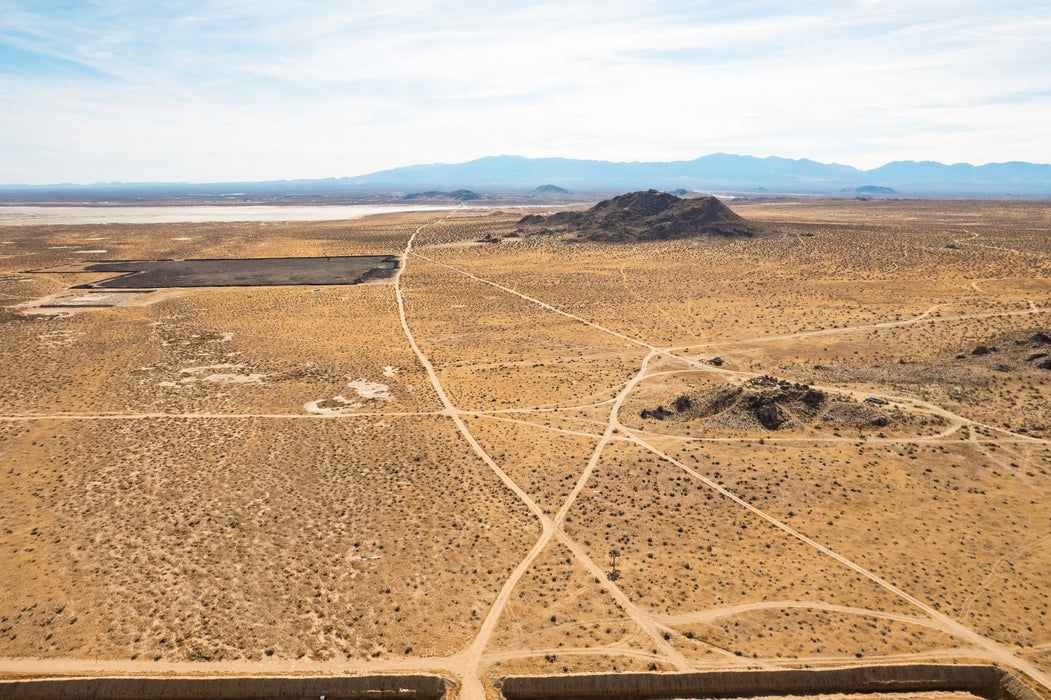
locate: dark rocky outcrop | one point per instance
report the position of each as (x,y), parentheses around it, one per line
(646,216)
(659,413)
(769,403)
(457,195)
(1014,351)
(1039,338)
(768,415)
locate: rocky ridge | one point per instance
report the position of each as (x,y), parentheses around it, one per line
(645,216)
(768,403)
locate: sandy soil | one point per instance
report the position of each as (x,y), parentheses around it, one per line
(431,475)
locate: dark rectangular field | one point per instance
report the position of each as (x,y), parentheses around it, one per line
(251,272)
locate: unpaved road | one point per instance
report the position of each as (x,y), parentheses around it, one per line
(469,665)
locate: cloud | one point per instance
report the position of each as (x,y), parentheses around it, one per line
(15,60)
(232,89)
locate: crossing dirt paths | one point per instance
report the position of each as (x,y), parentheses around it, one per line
(471,667)
(945,623)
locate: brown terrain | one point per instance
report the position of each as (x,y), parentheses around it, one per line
(644,216)
(816,434)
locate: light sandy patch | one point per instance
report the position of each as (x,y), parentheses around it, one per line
(341,404)
(88,252)
(99,299)
(453,244)
(185,238)
(90,299)
(224,338)
(227,379)
(57,338)
(389,371)
(62,303)
(371,390)
(197,374)
(205,368)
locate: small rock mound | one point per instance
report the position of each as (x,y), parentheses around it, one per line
(1014,351)
(647,216)
(767,403)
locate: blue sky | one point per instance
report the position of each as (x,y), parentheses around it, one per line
(220,90)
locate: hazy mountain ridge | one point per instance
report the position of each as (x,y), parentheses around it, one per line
(719,172)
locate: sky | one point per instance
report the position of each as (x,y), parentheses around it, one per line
(244,90)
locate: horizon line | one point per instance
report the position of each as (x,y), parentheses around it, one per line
(507,155)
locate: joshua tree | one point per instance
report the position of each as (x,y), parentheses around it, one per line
(613,554)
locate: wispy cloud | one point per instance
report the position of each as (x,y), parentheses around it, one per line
(28,63)
(239,89)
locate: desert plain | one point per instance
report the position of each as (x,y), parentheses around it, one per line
(825,445)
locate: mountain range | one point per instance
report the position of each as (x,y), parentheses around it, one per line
(720,172)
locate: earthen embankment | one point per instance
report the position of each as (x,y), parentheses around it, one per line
(331,688)
(987,682)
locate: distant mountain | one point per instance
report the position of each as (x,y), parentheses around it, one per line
(458,195)
(870,189)
(549,189)
(723,173)
(1016,176)
(719,172)
(645,216)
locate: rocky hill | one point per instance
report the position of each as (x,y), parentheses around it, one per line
(457,195)
(767,403)
(550,189)
(645,216)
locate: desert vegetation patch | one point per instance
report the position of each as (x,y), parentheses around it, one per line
(818,442)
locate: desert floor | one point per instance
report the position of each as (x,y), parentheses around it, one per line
(430,474)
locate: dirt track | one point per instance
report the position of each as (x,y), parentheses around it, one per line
(470,665)
(941,621)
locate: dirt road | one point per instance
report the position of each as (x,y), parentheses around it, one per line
(470,665)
